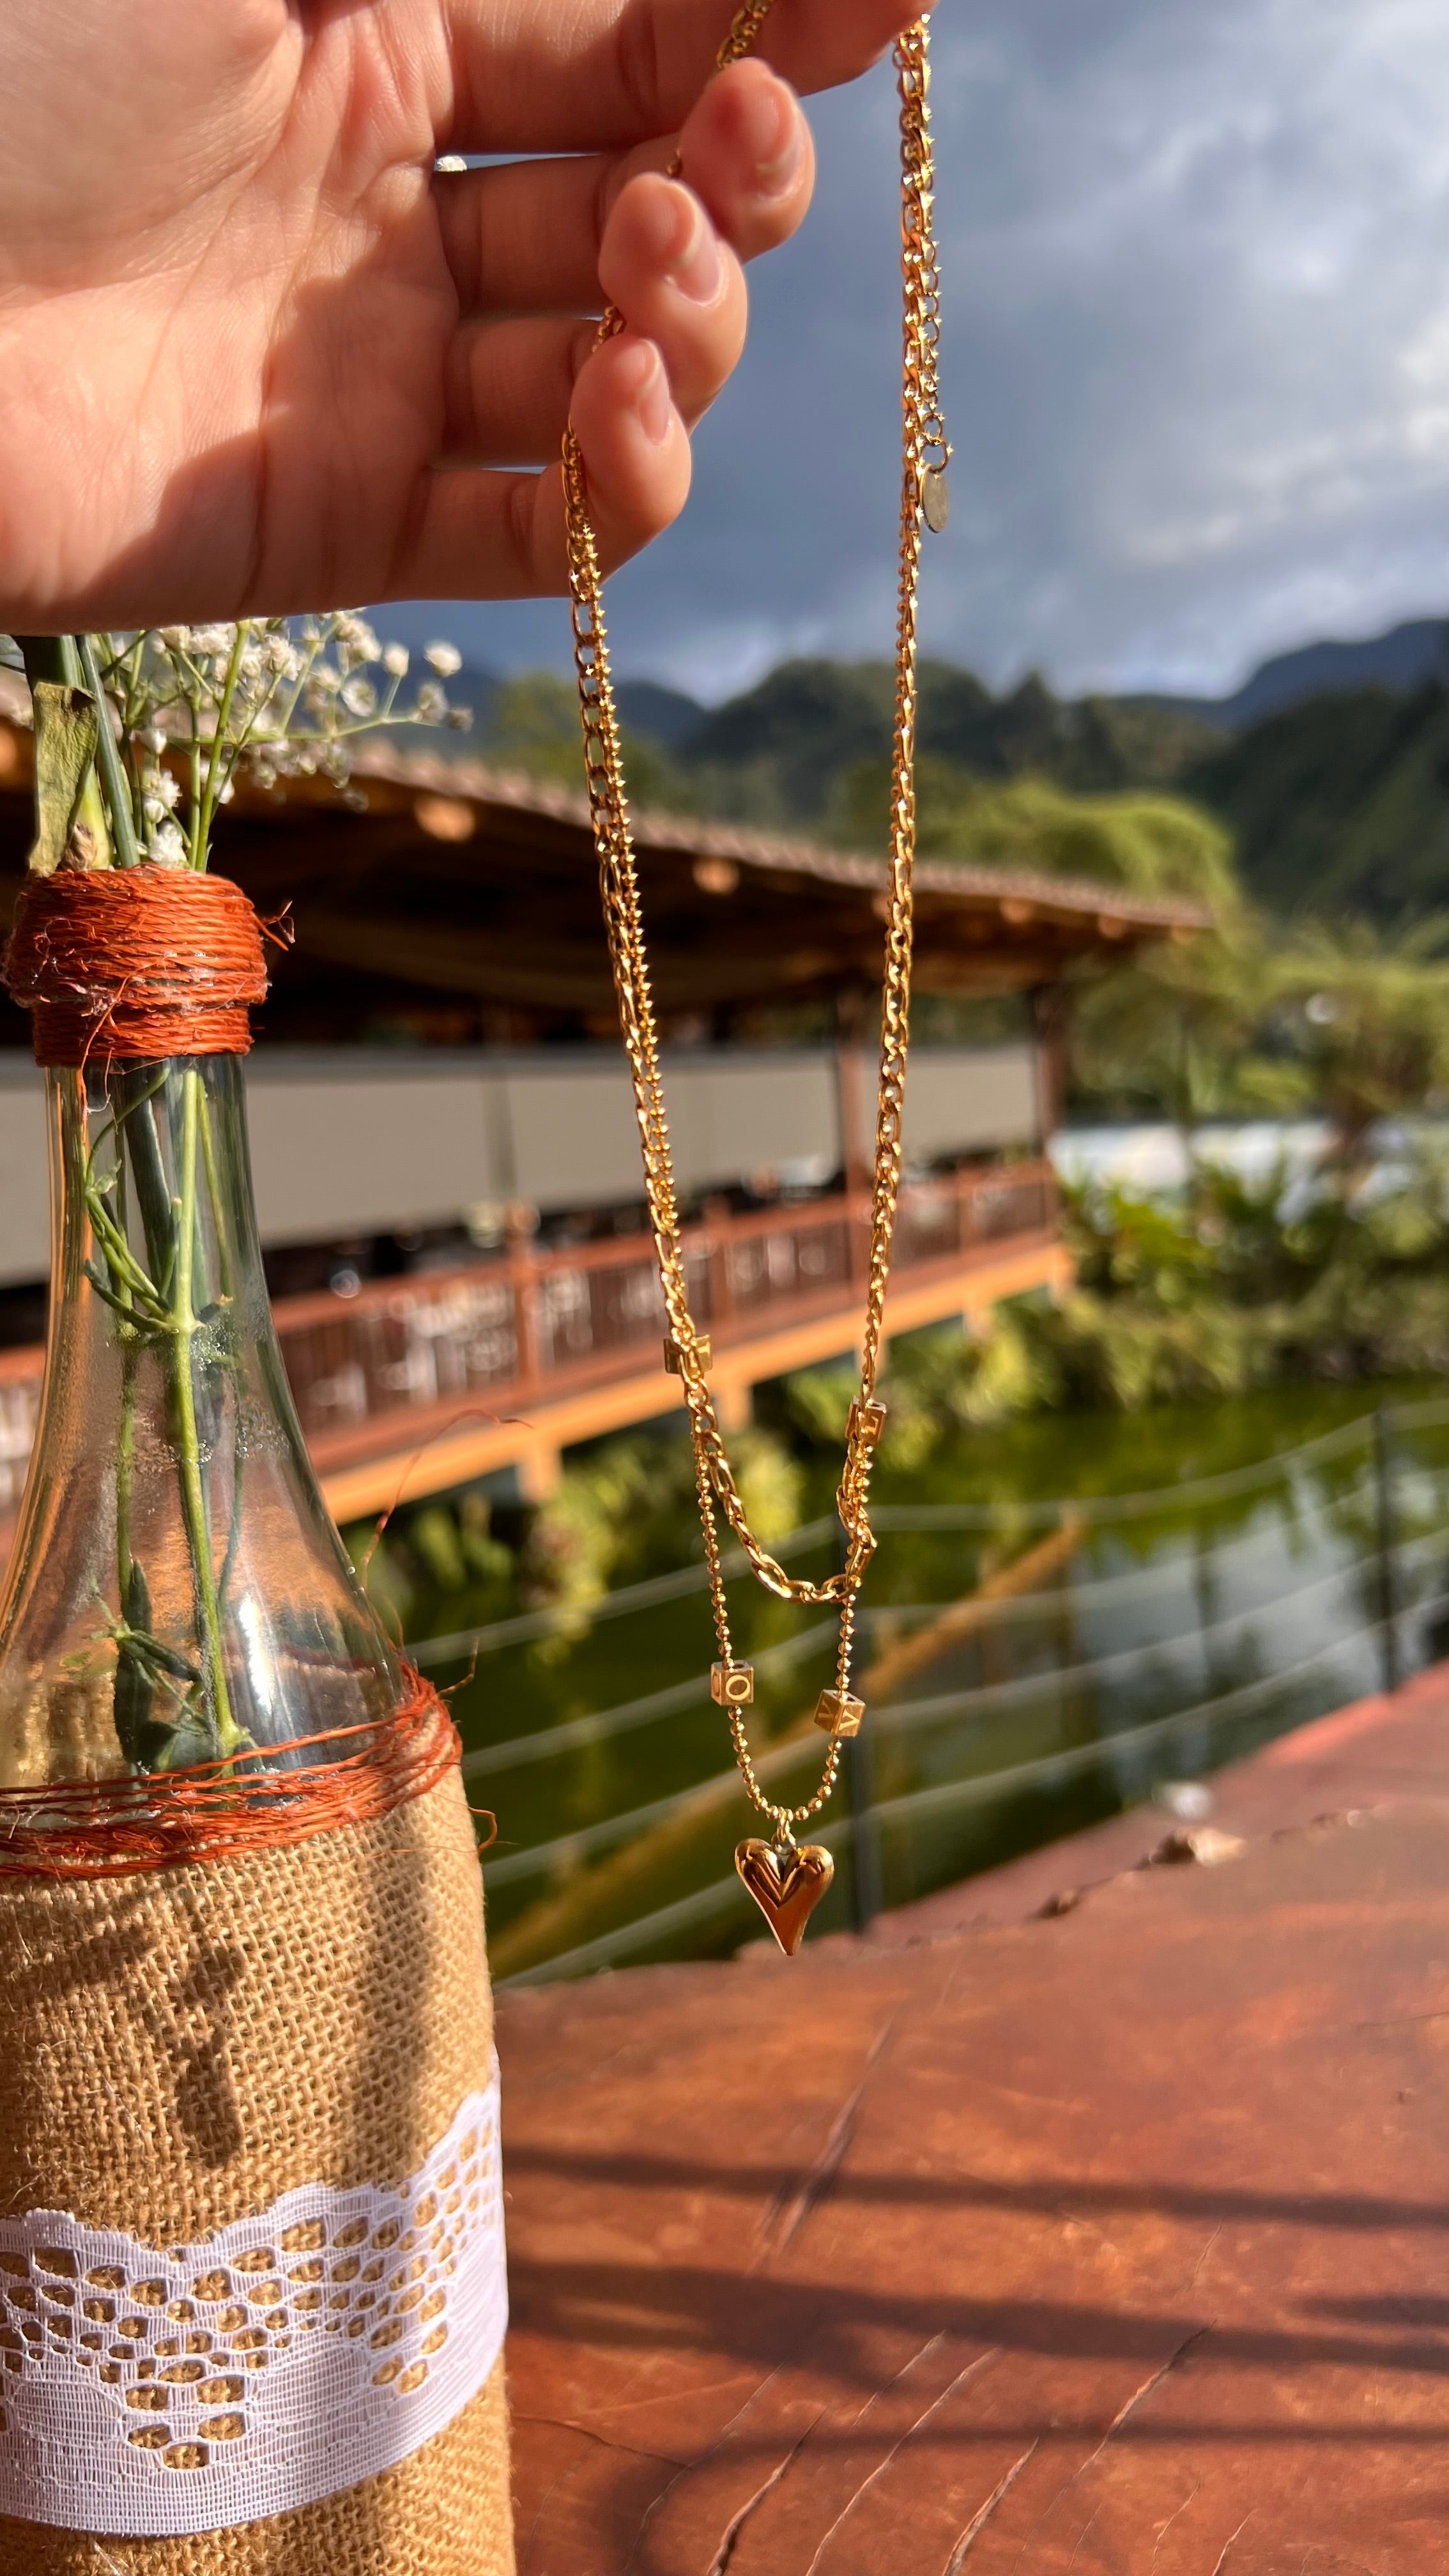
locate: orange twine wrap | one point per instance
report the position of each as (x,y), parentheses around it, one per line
(134,964)
(129,1825)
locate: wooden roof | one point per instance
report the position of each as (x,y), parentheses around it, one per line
(455,882)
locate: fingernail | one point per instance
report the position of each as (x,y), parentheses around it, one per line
(696,267)
(776,136)
(652,400)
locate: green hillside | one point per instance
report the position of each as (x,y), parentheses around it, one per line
(779,753)
(1339,805)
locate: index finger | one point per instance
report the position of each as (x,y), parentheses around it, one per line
(605,75)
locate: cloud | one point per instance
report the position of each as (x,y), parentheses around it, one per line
(1197,360)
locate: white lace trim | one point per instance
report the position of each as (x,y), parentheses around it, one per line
(282,2360)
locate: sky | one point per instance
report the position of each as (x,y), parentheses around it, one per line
(1196,363)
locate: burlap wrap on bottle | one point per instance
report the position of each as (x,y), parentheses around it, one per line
(181,2049)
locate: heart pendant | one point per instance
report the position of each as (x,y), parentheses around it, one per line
(787,1886)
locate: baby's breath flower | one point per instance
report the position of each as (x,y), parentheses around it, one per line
(460,719)
(160,795)
(166,847)
(355,640)
(294,692)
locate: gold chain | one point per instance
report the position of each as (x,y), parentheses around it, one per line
(925,454)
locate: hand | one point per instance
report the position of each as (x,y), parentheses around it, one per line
(258,355)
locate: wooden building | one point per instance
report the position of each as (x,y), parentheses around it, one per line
(460,902)
(440,1042)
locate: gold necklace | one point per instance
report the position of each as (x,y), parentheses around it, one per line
(787,1879)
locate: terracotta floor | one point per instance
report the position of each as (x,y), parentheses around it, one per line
(1111,2240)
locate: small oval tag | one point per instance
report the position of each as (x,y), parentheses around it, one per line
(935,498)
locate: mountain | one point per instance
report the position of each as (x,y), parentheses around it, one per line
(477,689)
(1402,659)
(1339,803)
(667,716)
(778,753)
(1330,765)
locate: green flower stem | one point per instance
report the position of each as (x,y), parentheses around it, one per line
(109,1235)
(229,1736)
(126,1445)
(125,1466)
(134,1110)
(128,1277)
(226,1290)
(171,1224)
(73,1149)
(108,761)
(204,813)
(225,1282)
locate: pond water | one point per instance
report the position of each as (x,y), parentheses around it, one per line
(1064,1614)
(1151,1157)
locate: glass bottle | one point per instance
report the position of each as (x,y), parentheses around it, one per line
(177,1592)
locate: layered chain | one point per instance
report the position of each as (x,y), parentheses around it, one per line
(925,454)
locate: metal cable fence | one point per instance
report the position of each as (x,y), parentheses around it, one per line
(897,1718)
(937,1802)
(997,1719)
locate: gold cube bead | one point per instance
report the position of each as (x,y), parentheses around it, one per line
(867,1422)
(838,1714)
(732,1685)
(675,1352)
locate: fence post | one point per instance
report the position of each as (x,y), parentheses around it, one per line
(867,1892)
(1389,1665)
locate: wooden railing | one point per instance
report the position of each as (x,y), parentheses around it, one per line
(402,1355)
(513,1332)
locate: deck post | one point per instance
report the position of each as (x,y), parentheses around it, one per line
(1049,1028)
(734,1402)
(867,1890)
(853,1109)
(539,1471)
(1390,1663)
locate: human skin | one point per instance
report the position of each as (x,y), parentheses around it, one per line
(257,354)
